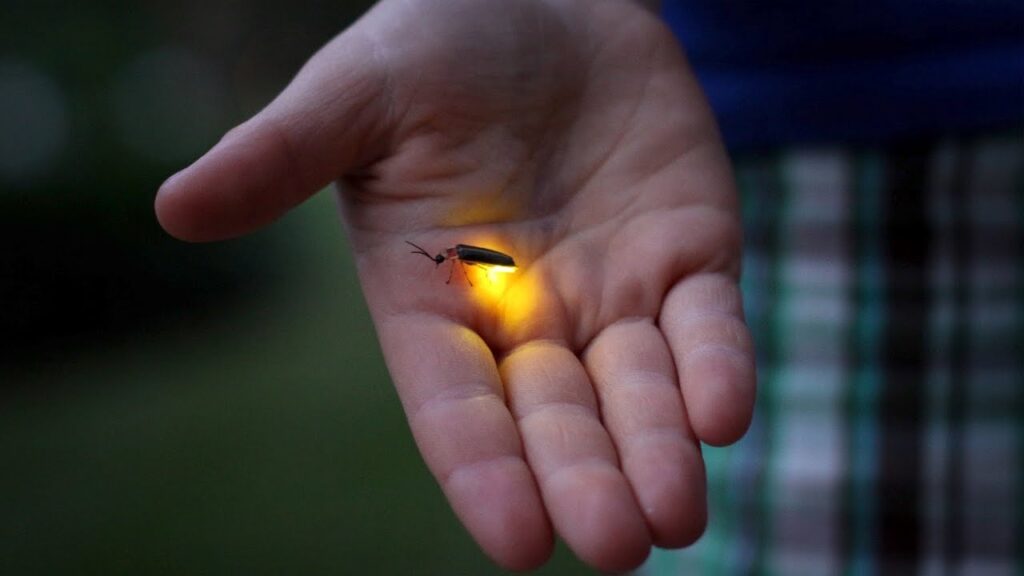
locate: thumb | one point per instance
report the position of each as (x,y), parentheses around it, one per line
(325,123)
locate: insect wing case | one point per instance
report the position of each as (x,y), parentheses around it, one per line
(484,256)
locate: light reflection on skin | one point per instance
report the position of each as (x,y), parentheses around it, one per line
(508,294)
(508,299)
(491,282)
(495,282)
(518,307)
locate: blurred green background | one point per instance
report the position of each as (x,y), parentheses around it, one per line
(181,409)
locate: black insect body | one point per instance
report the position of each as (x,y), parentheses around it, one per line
(471,255)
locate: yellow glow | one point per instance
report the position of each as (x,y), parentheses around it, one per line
(519,305)
(510,293)
(492,286)
(494,271)
(511,298)
(482,207)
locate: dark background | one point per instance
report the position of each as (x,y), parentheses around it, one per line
(174,408)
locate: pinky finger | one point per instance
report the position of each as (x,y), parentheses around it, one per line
(702,319)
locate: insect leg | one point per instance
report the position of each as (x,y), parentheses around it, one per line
(464,273)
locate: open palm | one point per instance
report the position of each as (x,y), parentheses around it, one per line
(570,135)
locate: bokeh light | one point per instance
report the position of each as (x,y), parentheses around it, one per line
(33,114)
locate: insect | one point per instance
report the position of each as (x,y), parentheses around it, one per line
(490,260)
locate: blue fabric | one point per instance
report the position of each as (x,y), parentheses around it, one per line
(790,72)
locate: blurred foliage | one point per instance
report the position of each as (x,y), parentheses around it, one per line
(180,409)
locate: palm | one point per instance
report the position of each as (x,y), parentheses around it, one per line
(598,168)
(570,136)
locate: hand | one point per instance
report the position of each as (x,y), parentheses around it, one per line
(571,135)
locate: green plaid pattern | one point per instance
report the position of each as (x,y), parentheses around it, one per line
(885,290)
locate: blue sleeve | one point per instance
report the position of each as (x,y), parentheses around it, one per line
(791,72)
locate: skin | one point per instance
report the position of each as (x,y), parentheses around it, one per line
(572,135)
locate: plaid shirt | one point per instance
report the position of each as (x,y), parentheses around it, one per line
(885,290)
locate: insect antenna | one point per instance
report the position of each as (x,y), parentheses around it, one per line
(419,250)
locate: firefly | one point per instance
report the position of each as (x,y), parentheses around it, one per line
(492,261)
